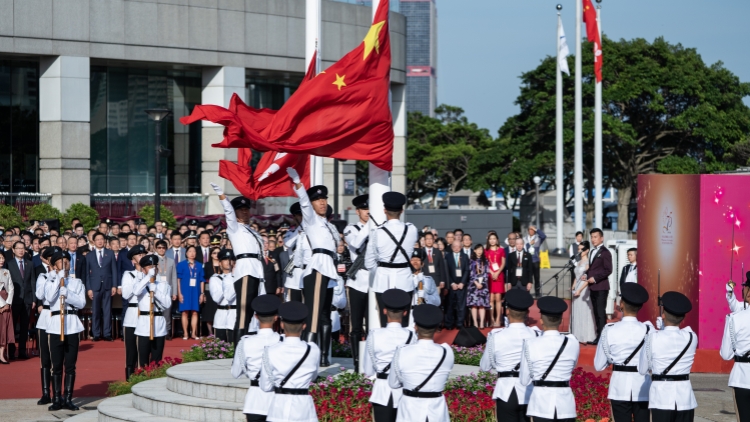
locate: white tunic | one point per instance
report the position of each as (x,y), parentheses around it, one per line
(244,240)
(503,354)
(411,366)
(381,248)
(355,236)
(301,255)
(162,299)
(320,235)
(247,361)
(736,342)
(76,298)
(429,292)
(339,301)
(380,347)
(537,355)
(222,291)
(129,280)
(43,320)
(661,349)
(278,361)
(617,343)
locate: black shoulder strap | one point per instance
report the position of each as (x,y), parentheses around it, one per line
(398,243)
(388,367)
(635,352)
(359,229)
(554,361)
(296,367)
(432,374)
(682,353)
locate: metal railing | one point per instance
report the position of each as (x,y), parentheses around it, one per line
(126,204)
(22,201)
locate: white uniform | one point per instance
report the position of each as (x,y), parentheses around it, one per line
(356,235)
(291,241)
(75,299)
(41,281)
(616,345)
(278,361)
(503,354)
(222,291)
(339,301)
(380,348)
(162,299)
(734,304)
(382,249)
(247,361)
(661,349)
(320,234)
(244,240)
(537,355)
(411,366)
(429,293)
(129,280)
(736,343)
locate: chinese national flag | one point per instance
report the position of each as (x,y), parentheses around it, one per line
(343,112)
(592,32)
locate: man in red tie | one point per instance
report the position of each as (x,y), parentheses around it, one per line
(204,240)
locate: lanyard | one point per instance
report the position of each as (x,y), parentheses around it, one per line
(457,257)
(193,271)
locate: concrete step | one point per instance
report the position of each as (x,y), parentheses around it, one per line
(91,416)
(209,379)
(154,398)
(120,409)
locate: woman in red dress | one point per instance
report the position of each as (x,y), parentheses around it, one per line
(496,260)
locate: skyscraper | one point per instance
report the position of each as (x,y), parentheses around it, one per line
(421,55)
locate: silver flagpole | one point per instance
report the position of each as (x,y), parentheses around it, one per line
(560,184)
(598,135)
(313,37)
(578,165)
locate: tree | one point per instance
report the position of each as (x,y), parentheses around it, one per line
(43,212)
(89,216)
(10,217)
(165,214)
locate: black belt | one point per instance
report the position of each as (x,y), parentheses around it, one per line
(132,305)
(558,384)
(147,313)
(247,255)
(228,307)
(254,383)
(624,368)
(742,359)
(292,391)
(393,265)
(45,307)
(507,374)
(325,252)
(252,333)
(423,394)
(53,313)
(382,376)
(657,377)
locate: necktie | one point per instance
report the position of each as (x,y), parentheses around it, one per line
(20,266)
(176,255)
(205,255)
(429,254)
(518,263)
(101,253)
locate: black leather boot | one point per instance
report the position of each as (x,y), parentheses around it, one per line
(325,345)
(45,387)
(311,337)
(56,393)
(355,353)
(128,372)
(70,381)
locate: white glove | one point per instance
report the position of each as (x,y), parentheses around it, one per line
(506,321)
(151,272)
(659,323)
(531,250)
(61,274)
(64,291)
(217,189)
(729,288)
(420,294)
(293,174)
(151,287)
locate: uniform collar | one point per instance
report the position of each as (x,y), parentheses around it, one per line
(393,325)
(551,333)
(516,325)
(265,331)
(671,328)
(629,318)
(292,340)
(425,341)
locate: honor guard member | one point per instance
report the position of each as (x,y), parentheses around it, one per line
(503,354)
(547,362)
(42,322)
(736,345)
(422,370)
(668,355)
(289,367)
(248,249)
(389,251)
(621,345)
(424,285)
(222,291)
(380,347)
(319,277)
(734,304)
(62,288)
(358,283)
(249,356)
(151,350)
(130,300)
(293,239)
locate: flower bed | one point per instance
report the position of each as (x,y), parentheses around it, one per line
(590,392)
(468,355)
(209,348)
(153,370)
(341,350)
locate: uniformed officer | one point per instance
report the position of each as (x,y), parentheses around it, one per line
(380,347)
(293,240)
(248,249)
(358,285)
(735,304)
(422,370)
(289,367)
(621,345)
(503,354)
(130,300)
(222,291)
(249,355)
(547,362)
(151,350)
(669,356)
(42,322)
(736,345)
(63,352)
(389,251)
(424,285)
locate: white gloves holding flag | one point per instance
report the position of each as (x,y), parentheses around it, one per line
(293,175)
(217,189)
(151,287)
(64,291)
(420,294)
(151,272)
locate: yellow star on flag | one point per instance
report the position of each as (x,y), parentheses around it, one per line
(339,81)
(372,39)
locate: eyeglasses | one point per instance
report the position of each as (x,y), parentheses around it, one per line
(160,247)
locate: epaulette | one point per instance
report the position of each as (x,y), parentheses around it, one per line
(610,324)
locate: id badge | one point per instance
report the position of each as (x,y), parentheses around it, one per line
(341,268)
(431,269)
(519,271)
(192,282)
(162,278)
(458,273)
(276,267)
(494,266)
(480,280)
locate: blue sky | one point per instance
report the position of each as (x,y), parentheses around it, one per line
(485,45)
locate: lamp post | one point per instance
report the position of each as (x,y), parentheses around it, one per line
(537,181)
(158,115)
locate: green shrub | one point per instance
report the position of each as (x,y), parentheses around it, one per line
(43,212)
(9,217)
(89,216)
(166,215)
(151,371)
(209,348)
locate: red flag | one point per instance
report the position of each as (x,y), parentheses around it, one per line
(344,112)
(592,32)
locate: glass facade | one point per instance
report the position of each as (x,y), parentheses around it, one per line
(19,126)
(394,3)
(123,138)
(421,55)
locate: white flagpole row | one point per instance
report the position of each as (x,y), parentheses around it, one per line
(560,185)
(578,164)
(313,38)
(598,138)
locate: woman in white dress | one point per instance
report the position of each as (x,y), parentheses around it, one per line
(582,313)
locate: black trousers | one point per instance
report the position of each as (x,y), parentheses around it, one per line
(384,317)
(627,411)
(255,418)
(20,313)
(660,415)
(318,298)
(456,312)
(131,347)
(149,350)
(44,357)
(246,289)
(386,413)
(599,302)
(224,334)
(742,401)
(536,273)
(63,353)
(294,295)
(101,313)
(511,411)
(168,318)
(538,419)
(358,312)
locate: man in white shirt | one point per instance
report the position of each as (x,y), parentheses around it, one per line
(151,349)
(42,322)
(293,240)
(222,292)
(130,304)
(736,345)
(358,284)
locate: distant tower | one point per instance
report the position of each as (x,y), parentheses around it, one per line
(421,55)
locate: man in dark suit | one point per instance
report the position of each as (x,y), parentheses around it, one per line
(630,271)
(24,284)
(600,267)
(520,267)
(509,248)
(204,247)
(271,269)
(123,263)
(434,265)
(457,264)
(101,280)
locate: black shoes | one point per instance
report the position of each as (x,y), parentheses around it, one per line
(70,380)
(57,400)
(45,387)
(325,345)
(355,353)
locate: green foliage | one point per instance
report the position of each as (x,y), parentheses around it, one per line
(150,371)
(679,165)
(89,216)
(468,355)
(43,212)
(166,215)
(209,348)
(9,217)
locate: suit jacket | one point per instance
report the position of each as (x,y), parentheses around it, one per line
(199,255)
(123,264)
(624,275)
(24,287)
(39,270)
(282,257)
(75,259)
(600,267)
(105,276)
(36,260)
(166,268)
(80,267)
(270,275)
(464,266)
(440,275)
(527,267)
(170,254)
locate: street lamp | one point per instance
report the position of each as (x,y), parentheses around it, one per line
(537,181)
(158,115)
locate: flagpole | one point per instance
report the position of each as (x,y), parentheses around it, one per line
(312,44)
(578,164)
(560,250)
(598,134)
